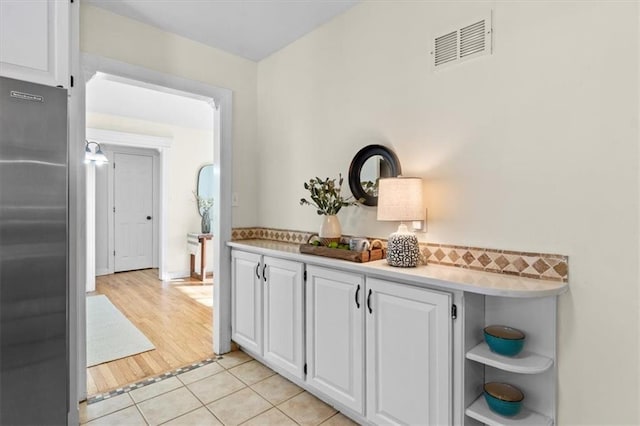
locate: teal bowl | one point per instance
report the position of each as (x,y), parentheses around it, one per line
(504,340)
(503,399)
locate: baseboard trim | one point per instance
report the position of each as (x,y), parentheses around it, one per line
(174,275)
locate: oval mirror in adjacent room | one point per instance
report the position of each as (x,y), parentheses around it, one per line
(205,182)
(370,164)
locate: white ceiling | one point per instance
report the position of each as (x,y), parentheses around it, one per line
(108,96)
(253,29)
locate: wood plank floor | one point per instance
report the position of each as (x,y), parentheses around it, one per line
(176,317)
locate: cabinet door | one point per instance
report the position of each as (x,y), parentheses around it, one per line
(408,355)
(283,315)
(34,41)
(335,335)
(246,299)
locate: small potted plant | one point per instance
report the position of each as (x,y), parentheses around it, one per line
(327,199)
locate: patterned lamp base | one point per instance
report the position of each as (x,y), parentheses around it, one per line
(403,250)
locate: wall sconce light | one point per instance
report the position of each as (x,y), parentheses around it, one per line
(96,155)
(400,199)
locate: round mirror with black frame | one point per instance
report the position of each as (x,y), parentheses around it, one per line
(370,164)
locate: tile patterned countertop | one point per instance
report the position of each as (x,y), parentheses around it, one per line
(444,277)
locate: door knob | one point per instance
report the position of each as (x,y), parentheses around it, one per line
(148,217)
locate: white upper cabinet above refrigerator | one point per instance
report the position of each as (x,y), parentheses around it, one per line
(34,41)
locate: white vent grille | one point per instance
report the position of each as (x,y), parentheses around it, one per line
(472,39)
(446,49)
(463,43)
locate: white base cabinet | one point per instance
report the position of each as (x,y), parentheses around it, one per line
(335,335)
(34,41)
(283,311)
(386,348)
(246,300)
(408,354)
(267,296)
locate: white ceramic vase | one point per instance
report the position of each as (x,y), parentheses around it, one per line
(330,230)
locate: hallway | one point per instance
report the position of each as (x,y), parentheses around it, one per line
(175,316)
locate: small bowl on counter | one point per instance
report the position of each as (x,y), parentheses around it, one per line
(504,340)
(503,399)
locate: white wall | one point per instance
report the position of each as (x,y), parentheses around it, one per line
(190,150)
(113,36)
(534,148)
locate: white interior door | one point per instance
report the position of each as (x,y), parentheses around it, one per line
(133,207)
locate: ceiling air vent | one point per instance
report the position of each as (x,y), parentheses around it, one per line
(463,43)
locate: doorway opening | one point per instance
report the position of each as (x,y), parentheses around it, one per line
(145,315)
(222,101)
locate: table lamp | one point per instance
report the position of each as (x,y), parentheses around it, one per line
(400,199)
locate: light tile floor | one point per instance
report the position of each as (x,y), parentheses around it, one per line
(233,390)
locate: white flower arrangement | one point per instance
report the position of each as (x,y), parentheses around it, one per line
(204,204)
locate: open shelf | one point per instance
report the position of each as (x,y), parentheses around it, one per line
(480,411)
(524,363)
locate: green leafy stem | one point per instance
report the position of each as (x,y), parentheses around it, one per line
(326,196)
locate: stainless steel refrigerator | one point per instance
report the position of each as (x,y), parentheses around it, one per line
(33,254)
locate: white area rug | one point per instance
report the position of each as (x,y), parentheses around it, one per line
(110,335)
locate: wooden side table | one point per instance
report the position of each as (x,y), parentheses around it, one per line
(202,241)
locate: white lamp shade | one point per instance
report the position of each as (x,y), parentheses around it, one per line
(400,199)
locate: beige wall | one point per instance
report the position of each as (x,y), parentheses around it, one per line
(190,150)
(106,34)
(534,148)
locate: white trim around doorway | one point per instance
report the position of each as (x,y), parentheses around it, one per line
(221,100)
(159,147)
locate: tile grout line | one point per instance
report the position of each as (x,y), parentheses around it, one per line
(190,411)
(330,417)
(215,374)
(249,385)
(286,415)
(284,400)
(235,392)
(140,412)
(262,412)
(301,392)
(212,413)
(202,402)
(293,396)
(229,394)
(113,412)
